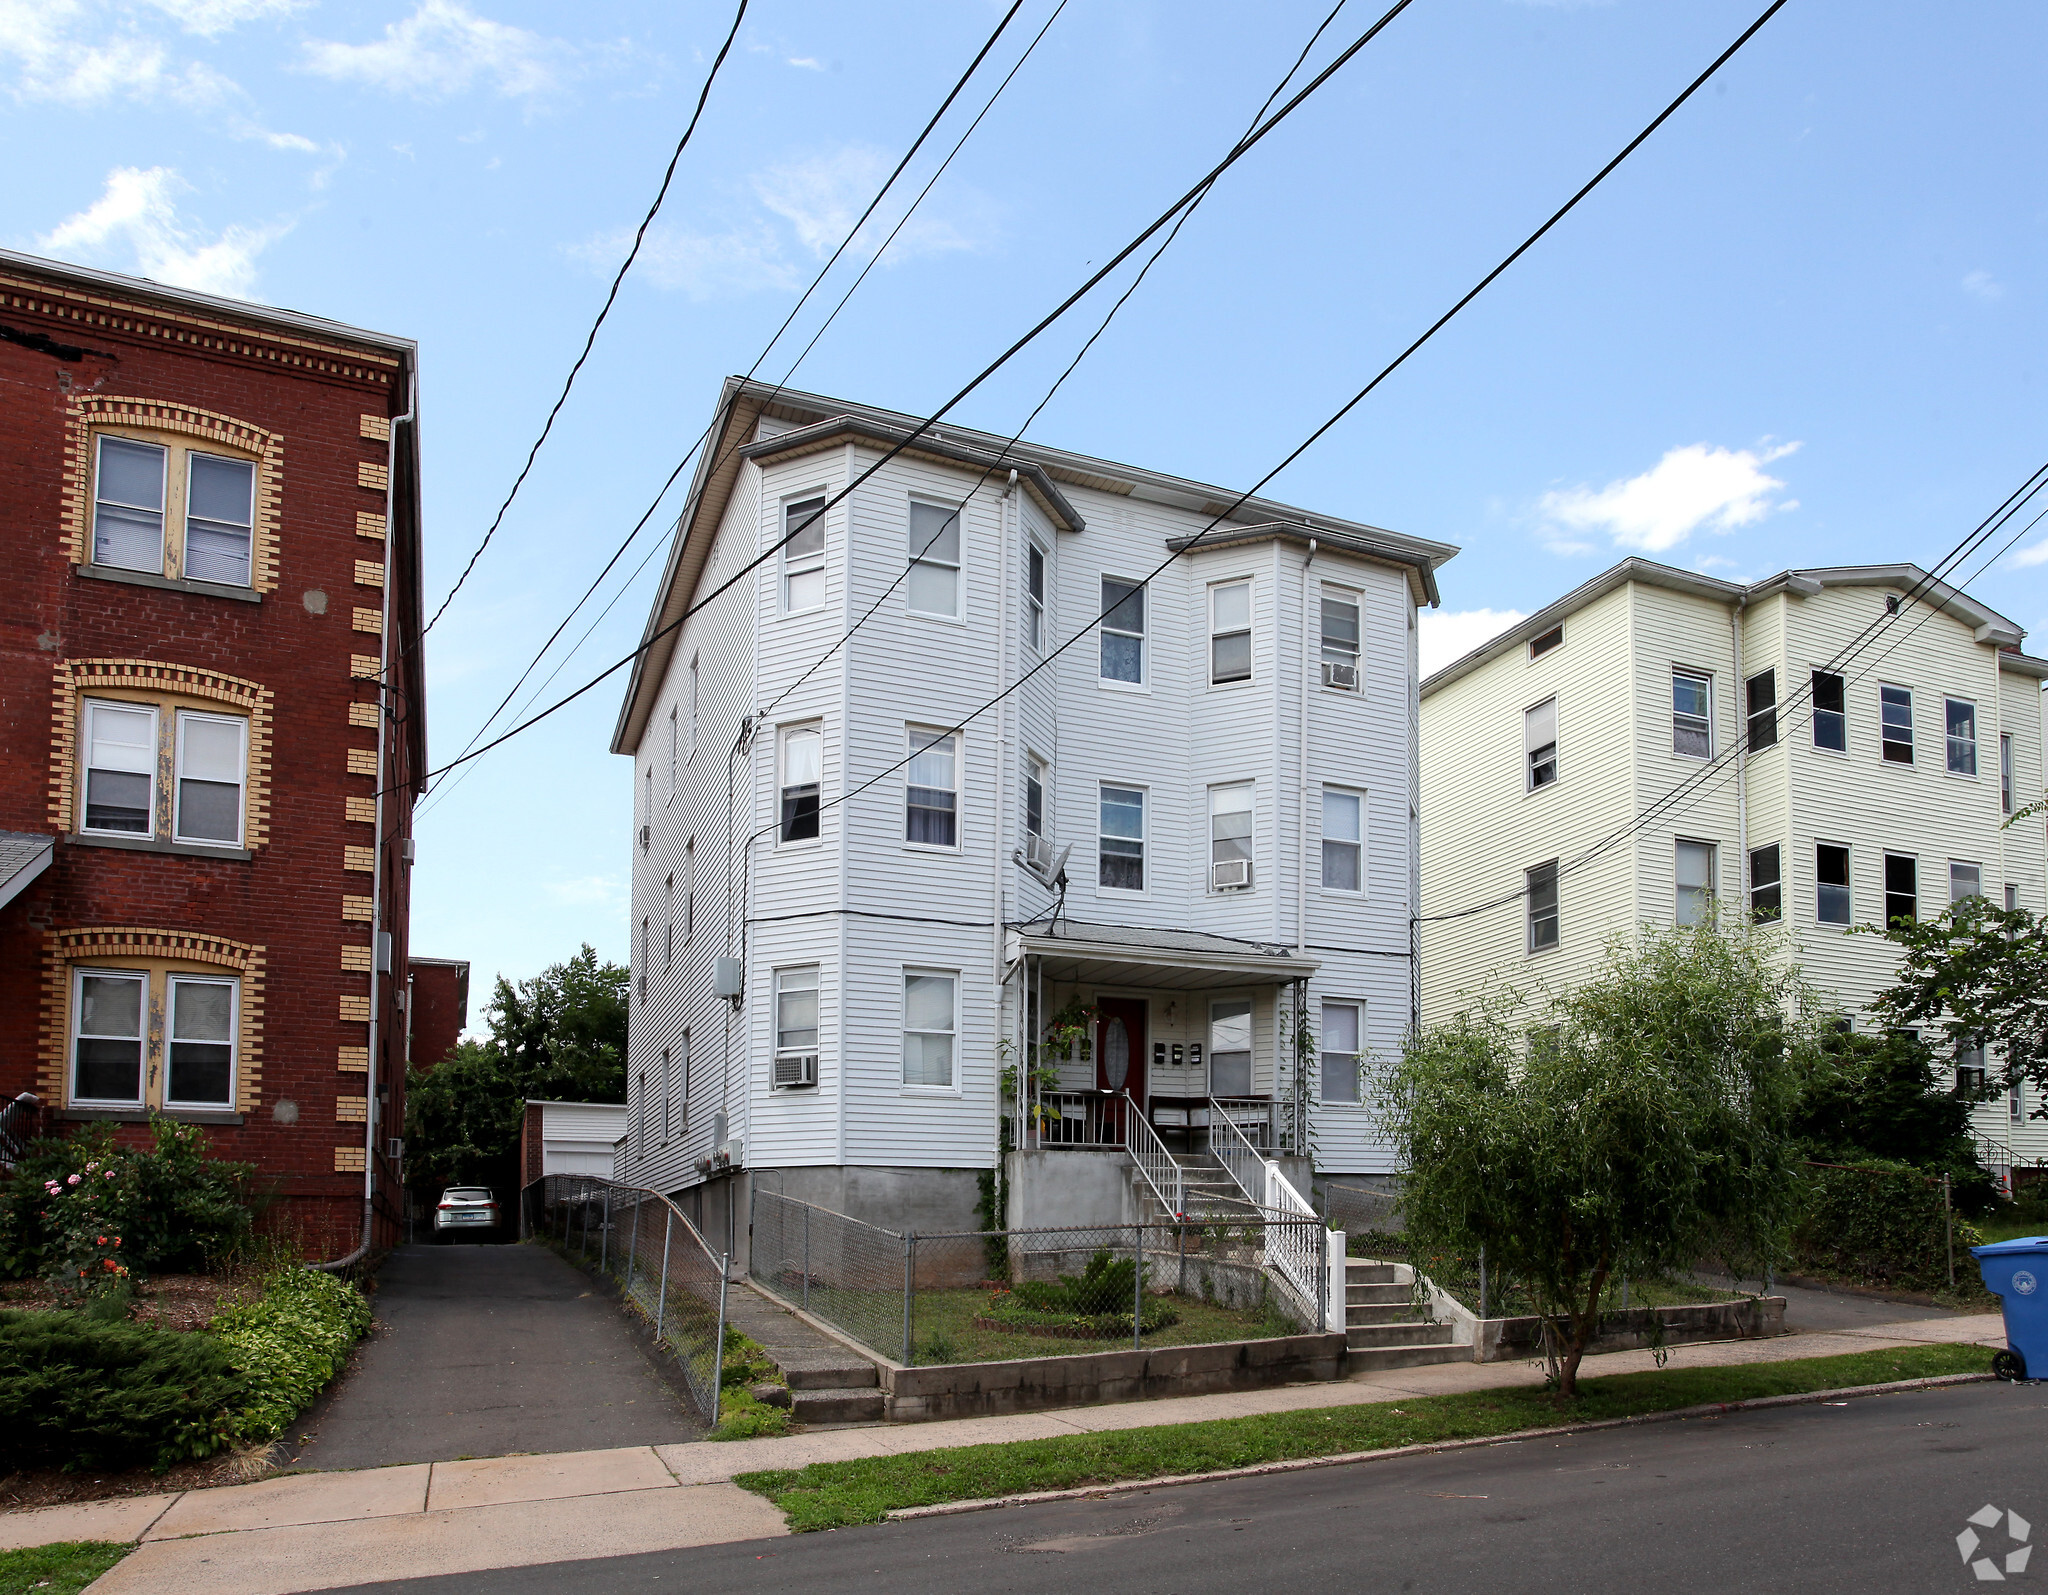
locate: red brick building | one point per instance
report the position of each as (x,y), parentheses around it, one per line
(438,1011)
(212,728)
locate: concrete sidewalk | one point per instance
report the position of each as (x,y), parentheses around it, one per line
(317,1531)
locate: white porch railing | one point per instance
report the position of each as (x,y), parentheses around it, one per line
(1252,1117)
(1073,1118)
(1160,1169)
(1295,1255)
(1244,1162)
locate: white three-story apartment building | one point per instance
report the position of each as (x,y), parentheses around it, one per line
(1586,772)
(860,891)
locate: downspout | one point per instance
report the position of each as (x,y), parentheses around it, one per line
(1742,764)
(1300,1016)
(1006,506)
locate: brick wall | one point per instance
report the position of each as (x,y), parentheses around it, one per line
(440,1009)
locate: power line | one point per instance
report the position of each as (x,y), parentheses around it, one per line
(610,298)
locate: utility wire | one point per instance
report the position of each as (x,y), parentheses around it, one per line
(610,298)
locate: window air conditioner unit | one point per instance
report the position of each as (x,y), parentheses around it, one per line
(1232,875)
(793,1069)
(1342,677)
(1038,853)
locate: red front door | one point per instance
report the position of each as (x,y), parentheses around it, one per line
(1120,1053)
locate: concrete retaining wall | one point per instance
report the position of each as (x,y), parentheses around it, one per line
(1498,1339)
(978,1389)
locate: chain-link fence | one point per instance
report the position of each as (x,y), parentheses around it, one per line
(999,1295)
(662,1265)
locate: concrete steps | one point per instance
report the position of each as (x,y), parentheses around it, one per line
(843,1404)
(1381,1329)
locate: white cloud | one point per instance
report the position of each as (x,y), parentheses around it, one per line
(1691,487)
(63,52)
(1982,285)
(809,63)
(209,18)
(2037,555)
(135,225)
(704,266)
(1450,634)
(821,196)
(586,891)
(441,49)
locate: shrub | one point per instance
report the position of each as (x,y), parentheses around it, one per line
(287,1345)
(86,1394)
(1880,1222)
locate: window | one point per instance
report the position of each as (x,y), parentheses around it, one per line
(1541,885)
(929,1023)
(644,923)
(1034,796)
(803,555)
(1123,630)
(120,769)
(1694,872)
(934,584)
(1553,638)
(1539,744)
(931,797)
(201,1071)
(220,512)
(1343,840)
(1230,1049)
(689,889)
(1766,885)
(2015,1104)
(674,733)
(1230,632)
(803,750)
(1230,837)
(1342,1024)
(1121,860)
(647,810)
(1763,710)
(681,1083)
(1962,737)
(2005,771)
(667,1121)
(106,1049)
(1831,878)
(1830,713)
(668,923)
(2012,897)
(1340,639)
(128,505)
(212,765)
(1896,705)
(696,680)
(1964,881)
(796,1026)
(1034,596)
(1691,715)
(1971,1075)
(1901,888)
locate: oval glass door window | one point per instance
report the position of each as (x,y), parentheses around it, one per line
(1116,1054)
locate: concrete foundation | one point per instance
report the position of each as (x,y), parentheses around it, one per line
(924,1201)
(1050,1189)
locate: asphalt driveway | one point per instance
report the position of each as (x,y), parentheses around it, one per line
(483,1351)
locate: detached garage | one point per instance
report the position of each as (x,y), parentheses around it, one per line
(570,1138)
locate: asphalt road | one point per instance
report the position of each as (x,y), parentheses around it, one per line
(481,1351)
(1866,1496)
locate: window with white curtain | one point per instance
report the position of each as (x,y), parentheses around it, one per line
(1123,630)
(803,754)
(931,792)
(1343,840)
(1692,723)
(1230,836)
(933,586)
(213,765)
(803,555)
(796,1016)
(109,1009)
(1343,1025)
(1121,859)
(1694,880)
(930,1026)
(1340,639)
(1230,1049)
(1034,795)
(120,768)
(1539,745)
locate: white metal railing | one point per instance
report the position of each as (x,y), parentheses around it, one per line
(1158,1166)
(1074,1118)
(1295,1253)
(1252,1117)
(1241,1160)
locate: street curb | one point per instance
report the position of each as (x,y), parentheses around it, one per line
(1712,1409)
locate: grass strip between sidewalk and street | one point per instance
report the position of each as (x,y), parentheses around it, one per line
(827,1495)
(61,1569)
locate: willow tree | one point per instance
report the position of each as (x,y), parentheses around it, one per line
(1631,1127)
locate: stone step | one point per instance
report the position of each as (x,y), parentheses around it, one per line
(1387,1314)
(1376,1295)
(1376,1359)
(826,1371)
(1360,1336)
(1357,1271)
(845,1404)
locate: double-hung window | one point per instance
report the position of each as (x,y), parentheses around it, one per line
(1692,700)
(933,587)
(1762,690)
(107,1036)
(1343,840)
(1343,1023)
(220,513)
(667,1081)
(1831,884)
(1340,639)
(668,922)
(1123,630)
(1830,712)
(1230,837)
(931,794)
(674,733)
(796,1026)
(1901,888)
(1539,745)
(2005,771)
(930,1025)
(803,555)
(1121,856)
(1230,632)
(1230,1049)
(1961,717)
(1766,884)
(689,889)
(1034,595)
(1541,889)
(1964,881)
(213,765)
(803,756)
(128,504)
(1034,795)
(696,681)
(120,769)
(681,1083)
(1895,705)
(201,1049)
(1693,870)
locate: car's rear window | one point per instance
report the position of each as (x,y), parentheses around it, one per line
(465,1193)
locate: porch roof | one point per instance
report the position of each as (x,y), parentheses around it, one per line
(1135,955)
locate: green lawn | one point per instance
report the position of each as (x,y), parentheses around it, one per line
(62,1569)
(943,1329)
(839,1494)
(2000,1228)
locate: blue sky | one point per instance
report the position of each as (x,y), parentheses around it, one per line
(1801,326)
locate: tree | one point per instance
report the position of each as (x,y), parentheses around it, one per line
(1980,975)
(560,1036)
(1644,1124)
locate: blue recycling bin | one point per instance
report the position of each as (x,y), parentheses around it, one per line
(2016,1272)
